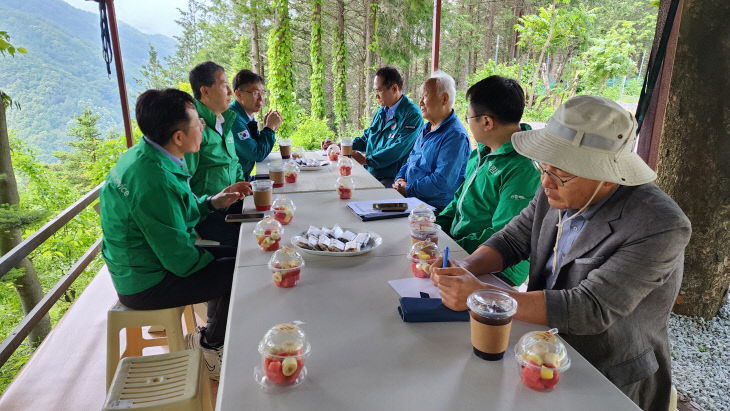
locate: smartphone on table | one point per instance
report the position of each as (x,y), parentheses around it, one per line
(390,206)
(244,218)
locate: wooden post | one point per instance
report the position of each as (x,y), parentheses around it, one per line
(436,38)
(114,33)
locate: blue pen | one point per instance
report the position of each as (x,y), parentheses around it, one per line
(446,257)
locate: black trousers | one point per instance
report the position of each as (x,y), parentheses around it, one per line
(211,284)
(215,228)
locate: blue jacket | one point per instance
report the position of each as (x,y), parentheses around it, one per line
(251,144)
(435,167)
(386,144)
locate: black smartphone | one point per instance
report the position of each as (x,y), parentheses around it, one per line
(390,206)
(261,176)
(243,218)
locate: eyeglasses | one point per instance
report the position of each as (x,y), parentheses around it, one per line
(256,94)
(557,180)
(201,120)
(467,118)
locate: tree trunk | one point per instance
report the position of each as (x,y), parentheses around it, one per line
(519,11)
(340,69)
(489,41)
(27,285)
(370,57)
(257,63)
(533,87)
(694,150)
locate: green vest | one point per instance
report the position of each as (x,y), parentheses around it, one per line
(215,166)
(148,215)
(498,186)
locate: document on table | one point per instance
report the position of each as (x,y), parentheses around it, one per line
(366,212)
(413,287)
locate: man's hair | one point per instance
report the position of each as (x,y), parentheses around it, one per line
(445,84)
(160,113)
(389,76)
(203,75)
(246,77)
(499,97)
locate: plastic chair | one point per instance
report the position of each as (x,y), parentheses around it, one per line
(173,381)
(120,317)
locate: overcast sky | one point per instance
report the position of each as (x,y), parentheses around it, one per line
(148,16)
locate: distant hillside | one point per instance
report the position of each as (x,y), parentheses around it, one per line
(64,70)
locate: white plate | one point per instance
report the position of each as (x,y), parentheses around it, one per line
(322,165)
(373,243)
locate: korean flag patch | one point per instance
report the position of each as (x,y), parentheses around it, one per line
(243,135)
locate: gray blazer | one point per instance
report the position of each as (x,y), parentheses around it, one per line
(616,285)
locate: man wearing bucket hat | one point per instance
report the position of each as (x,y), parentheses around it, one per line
(606,248)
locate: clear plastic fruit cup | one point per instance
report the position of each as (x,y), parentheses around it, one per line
(344,165)
(428,234)
(283,209)
(297,152)
(333,152)
(422,255)
(268,234)
(283,350)
(286,266)
(345,186)
(291,172)
(542,357)
(421,218)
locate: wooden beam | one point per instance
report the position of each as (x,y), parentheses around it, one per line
(114,33)
(436,37)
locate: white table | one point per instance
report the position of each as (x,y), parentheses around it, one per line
(326,209)
(364,356)
(319,180)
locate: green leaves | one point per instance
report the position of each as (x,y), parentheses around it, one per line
(281,71)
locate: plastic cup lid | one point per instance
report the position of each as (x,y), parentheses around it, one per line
(492,304)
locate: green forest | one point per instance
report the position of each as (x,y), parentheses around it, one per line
(318,58)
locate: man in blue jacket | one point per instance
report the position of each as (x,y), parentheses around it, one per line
(395,127)
(435,168)
(251,144)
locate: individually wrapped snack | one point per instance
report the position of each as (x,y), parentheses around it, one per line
(323,243)
(352,246)
(286,265)
(362,238)
(333,152)
(344,165)
(291,172)
(284,209)
(348,236)
(337,231)
(283,350)
(422,255)
(542,358)
(345,187)
(268,234)
(301,241)
(421,218)
(314,231)
(326,231)
(337,245)
(312,241)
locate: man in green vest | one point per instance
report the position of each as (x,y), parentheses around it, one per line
(251,144)
(499,181)
(216,165)
(384,147)
(148,215)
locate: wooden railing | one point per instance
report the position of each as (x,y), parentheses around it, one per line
(13,257)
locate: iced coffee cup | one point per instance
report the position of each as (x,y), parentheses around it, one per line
(276,174)
(285,148)
(491,314)
(262,194)
(346,144)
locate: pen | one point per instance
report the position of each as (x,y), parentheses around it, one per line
(446,257)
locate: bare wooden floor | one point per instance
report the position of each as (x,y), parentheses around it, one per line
(68,371)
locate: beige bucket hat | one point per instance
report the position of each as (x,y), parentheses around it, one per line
(590,137)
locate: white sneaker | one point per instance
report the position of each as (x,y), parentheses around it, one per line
(213,356)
